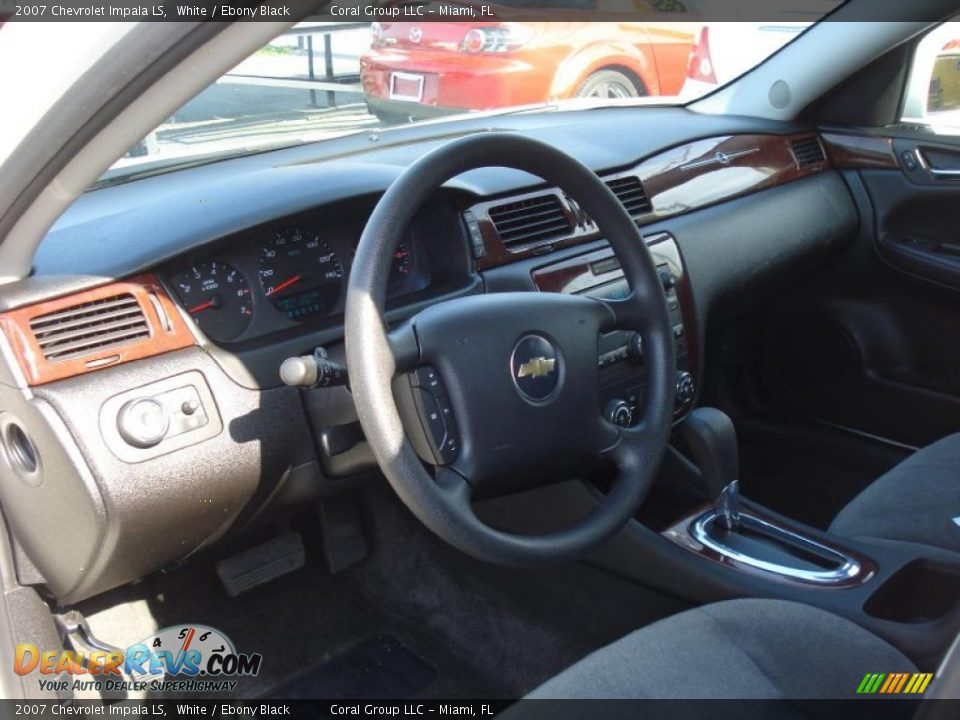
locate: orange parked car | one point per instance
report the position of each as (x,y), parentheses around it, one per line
(422,69)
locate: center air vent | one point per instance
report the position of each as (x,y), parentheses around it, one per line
(629,190)
(87,328)
(807,151)
(530,221)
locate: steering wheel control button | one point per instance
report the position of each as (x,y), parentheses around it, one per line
(535,368)
(619,413)
(426,377)
(686,388)
(436,417)
(143,423)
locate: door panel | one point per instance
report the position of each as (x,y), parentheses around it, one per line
(874,343)
(917,211)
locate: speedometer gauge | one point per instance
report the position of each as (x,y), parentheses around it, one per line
(217,297)
(300,273)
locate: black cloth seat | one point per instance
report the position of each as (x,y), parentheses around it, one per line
(918,501)
(737,649)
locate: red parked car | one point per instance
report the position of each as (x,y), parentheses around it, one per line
(422,69)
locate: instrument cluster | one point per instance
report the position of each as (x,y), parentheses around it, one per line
(279,277)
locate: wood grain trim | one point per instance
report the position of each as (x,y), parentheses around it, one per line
(679,533)
(860,151)
(684,178)
(166,333)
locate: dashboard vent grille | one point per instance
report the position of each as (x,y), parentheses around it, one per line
(629,190)
(530,221)
(89,327)
(807,151)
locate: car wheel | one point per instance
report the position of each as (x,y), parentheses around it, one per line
(609,84)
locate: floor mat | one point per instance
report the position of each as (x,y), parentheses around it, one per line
(487,631)
(376,668)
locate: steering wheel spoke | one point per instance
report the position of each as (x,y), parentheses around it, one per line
(623,313)
(405,347)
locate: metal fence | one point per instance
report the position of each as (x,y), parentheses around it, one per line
(328,82)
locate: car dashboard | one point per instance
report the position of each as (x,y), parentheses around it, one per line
(146,346)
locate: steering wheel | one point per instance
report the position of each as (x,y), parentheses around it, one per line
(519,368)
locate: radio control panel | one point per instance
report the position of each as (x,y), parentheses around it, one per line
(620,354)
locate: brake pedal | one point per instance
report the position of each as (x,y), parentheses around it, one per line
(261,564)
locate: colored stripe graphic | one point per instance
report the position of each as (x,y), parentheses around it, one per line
(903,681)
(923,679)
(870,683)
(892,680)
(894,683)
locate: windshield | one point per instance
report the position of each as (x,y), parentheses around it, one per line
(323,79)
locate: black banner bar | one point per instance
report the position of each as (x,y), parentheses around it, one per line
(424,11)
(227,709)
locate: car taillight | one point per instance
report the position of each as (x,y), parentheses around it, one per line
(701,65)
(376,35)
(504,38)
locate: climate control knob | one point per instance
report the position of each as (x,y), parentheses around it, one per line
(143,422)
(619,413)
(686,388)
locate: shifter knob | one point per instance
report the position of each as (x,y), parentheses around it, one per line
(713,441)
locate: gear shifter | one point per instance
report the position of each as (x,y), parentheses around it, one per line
(713,440)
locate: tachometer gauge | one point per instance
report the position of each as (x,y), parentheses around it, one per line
(300,273)
(218,298)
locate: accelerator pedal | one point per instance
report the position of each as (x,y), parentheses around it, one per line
(261,564)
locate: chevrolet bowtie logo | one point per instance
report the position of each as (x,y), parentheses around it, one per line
(537,367)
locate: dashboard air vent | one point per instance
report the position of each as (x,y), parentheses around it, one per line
(629,190)
(807,151)
(530,221)
(89,327)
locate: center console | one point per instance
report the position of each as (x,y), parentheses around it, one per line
(620,354)
(744,536)
(909,594)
